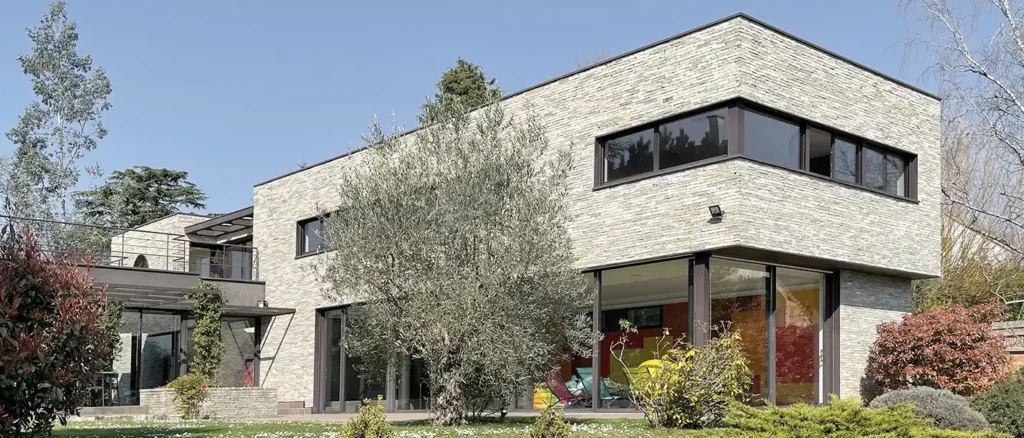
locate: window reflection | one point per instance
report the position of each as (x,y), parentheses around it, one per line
(845,160)
(693,139)
(629,155)
(739,298)
(797,315)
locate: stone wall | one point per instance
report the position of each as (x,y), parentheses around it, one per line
(220,403)
(865,300)
(766,207)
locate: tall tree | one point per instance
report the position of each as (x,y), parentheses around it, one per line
(455,239)
(56,130)
(135,196)
(463,86)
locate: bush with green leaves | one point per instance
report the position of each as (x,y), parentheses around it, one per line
(838,419)
(207,345)
(370,423)
(550,424)
(189,394)
(1003,405)
(694,384)
(947,410)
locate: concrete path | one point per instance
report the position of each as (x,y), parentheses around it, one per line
(397,417)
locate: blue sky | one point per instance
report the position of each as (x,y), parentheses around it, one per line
(237,92)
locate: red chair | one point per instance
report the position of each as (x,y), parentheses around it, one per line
(563,394)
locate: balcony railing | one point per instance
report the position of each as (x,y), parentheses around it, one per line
(112,246)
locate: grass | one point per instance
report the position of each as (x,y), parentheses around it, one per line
(510,427)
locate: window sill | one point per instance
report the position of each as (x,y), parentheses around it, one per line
(656,173)
(724,158)
(307,255)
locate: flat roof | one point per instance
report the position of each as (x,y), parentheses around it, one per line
(641,49)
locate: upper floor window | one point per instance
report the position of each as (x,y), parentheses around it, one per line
(764,135)
(679,141)
(310,232)
(770,139)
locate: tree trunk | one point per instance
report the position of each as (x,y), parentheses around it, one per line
(450,406)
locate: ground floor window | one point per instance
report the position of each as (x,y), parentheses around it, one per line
(778,310)
(155,349)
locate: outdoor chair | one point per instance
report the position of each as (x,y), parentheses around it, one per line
(586,376)
(563,394)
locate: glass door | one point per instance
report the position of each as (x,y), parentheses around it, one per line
(334,328)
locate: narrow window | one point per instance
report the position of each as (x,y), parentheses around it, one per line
(309,236)
(629,155)
(844,155)
(693,139)
(771,140)
(895,175)
(820,152)
(874,168)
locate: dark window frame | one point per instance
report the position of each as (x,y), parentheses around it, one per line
(655,127)
(300,227)
(636,325)
(736,107)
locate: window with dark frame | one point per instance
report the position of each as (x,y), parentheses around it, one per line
(679,141)
(765,135)
(639,317)
(309,236)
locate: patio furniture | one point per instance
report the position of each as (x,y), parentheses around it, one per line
(563,394)
(586,376)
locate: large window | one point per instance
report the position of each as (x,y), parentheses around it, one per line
(765,135)
(679,141)
(797,335)
(739,301)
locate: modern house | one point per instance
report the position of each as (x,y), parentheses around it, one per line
(732,173)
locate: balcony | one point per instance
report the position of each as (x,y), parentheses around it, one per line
(151,269)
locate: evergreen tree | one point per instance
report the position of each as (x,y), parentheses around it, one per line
(135,196)
(463,86)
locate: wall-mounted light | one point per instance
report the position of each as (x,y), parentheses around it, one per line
(716,212)
(261,303)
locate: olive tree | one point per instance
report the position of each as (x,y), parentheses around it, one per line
(454,238)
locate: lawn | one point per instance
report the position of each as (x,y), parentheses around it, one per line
(512,427)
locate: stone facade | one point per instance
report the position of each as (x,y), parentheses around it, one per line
(162,243)
(865,301)
(220,403)
(766,207)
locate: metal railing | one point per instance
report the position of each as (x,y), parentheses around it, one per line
(113,246)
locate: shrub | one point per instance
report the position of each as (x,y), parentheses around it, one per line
(952,349)
(839,419)
(694,385)
(370,423)
(53,340)
(947,410)
(550,424)
(1003,405)
(189,394)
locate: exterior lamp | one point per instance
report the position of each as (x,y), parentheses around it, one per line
(716,211)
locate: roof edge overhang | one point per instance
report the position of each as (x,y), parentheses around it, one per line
(224,224)
(779,258)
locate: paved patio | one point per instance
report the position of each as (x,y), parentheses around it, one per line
(397,417)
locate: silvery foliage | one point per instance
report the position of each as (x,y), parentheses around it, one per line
(455,239)
(55,131)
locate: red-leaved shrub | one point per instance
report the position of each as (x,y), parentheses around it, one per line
(52,338)
(952,349)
